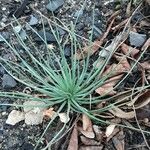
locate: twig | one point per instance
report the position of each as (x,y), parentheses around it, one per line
(118,26)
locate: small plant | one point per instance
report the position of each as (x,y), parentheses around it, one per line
(67,83)
(70,85)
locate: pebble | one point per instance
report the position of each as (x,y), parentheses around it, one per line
(2,71)
(53,5)
(33,21)
(49,37)
(8,82)
(5,35)
(137,39)
(67,51)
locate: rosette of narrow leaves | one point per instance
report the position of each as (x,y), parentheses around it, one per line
(66,82)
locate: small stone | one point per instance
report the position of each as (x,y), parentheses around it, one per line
(49,37)
(3,8)
(78,13)
(23,34)
(137,39)
(61,31)
(4,35)
(53,5)
(17,29)
(8,81)
(2,71)
(4,113)
(33,21)
(67,51)
(27,146)
(15,117)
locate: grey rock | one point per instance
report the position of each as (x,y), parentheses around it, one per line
(67,51)
(8,81)
(17,29)
(33,21)
(49,37)
(4,35)
(61,31)
(78,13)
(137,39)
(53,5)
(2,71)
(23,34)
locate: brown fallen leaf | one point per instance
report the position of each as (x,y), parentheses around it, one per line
(116,72)
(126,49)
(124,62)
(145,65)
(108,87)
(73,143)
(87,129)
(49,113)
(121,114)
(142,100)
(144,23)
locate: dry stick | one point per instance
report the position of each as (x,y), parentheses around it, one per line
(146,45)
(113,15)
(118,26)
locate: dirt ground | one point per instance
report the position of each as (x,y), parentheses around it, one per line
(24,137)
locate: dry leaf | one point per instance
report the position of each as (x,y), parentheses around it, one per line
(34,112)
(15,117)
(116,71)
(126,49)
(87,124)
(87,129)
(145,65)
(64,117)
(108,87)
(49,112)
(121,114)
(32,118)
(73,143)
(124,63)
(143,100)
(109,130)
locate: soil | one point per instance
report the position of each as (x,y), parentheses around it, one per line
(22,136)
